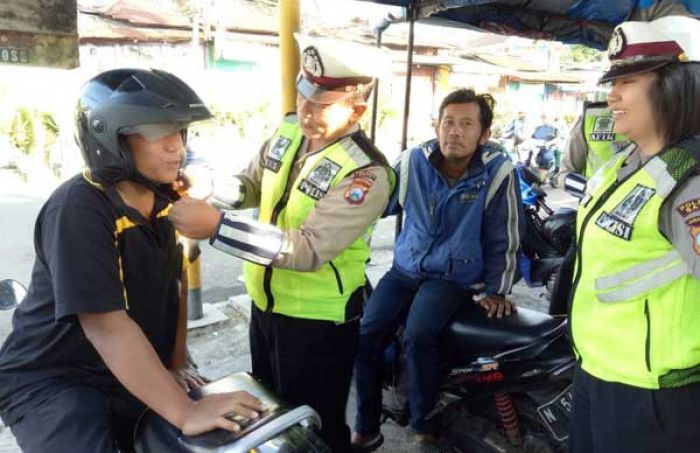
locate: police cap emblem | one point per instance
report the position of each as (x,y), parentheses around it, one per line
(617,43)
(311,61)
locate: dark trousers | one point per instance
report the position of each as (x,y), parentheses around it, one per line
(78,419)
(615,418)
(432,303)
(307,362)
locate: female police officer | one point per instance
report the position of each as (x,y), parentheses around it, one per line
(635,310)
(103,321)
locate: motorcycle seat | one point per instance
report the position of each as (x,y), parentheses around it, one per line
(472,333)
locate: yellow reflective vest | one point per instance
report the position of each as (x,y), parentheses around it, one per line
(322,294)
(636,305)
(598,133)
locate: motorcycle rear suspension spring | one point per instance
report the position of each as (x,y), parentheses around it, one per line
(509,418)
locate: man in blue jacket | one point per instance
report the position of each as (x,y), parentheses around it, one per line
(463,222)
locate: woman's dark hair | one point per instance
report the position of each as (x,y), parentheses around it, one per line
(675,97)
(485,102)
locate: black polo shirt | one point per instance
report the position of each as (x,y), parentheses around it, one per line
(93,255)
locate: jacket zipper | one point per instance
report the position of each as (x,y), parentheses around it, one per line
(337,277)
(647,343)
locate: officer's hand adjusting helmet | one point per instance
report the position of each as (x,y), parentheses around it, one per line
(153,103)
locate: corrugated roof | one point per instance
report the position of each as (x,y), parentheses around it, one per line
(97,28)
(148,12)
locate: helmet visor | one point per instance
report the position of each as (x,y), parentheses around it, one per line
(154,131)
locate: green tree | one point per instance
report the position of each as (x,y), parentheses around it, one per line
(582,54)
(22,135)
(48,123)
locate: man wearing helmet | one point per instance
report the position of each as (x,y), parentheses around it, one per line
(101,332)
(320,186)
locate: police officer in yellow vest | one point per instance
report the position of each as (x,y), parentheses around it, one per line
(592,141)
(636,288)
(320,186)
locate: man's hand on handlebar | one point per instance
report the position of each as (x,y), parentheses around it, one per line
(217,411)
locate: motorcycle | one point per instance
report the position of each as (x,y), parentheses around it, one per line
(281,428)
(11,293)
(548,234)
(543,147)
(505,384)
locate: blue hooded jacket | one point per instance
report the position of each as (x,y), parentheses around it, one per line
(469,233)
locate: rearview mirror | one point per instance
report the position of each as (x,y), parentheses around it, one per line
(11,293)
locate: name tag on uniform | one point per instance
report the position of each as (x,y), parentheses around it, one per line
(273,158)
(619,222)
(466,197)
(318,181)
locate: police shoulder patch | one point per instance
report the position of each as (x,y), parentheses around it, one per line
(360,184)
(690,211)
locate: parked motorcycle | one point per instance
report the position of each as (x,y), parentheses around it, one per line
(548,233)
(505,383)
(11,293)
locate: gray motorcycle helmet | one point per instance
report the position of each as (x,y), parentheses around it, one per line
(119,99)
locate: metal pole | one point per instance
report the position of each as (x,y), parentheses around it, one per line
(194,278)
(375,97)
(289,53)
(412,10)
(379,31)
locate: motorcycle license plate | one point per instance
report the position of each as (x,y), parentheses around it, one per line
(555,414)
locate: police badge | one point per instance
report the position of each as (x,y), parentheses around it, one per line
(603,129)
(318,181)
(311,61)
(273,157)
(620,221)
(617,43)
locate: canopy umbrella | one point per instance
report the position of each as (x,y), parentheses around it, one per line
(588,22)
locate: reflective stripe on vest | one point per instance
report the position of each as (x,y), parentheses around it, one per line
(321,294)
(634,315)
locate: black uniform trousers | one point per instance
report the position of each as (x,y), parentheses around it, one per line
(80,419)
(609,417)
(307,362)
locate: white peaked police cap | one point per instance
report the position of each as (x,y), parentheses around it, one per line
(331,68)
(637,47)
